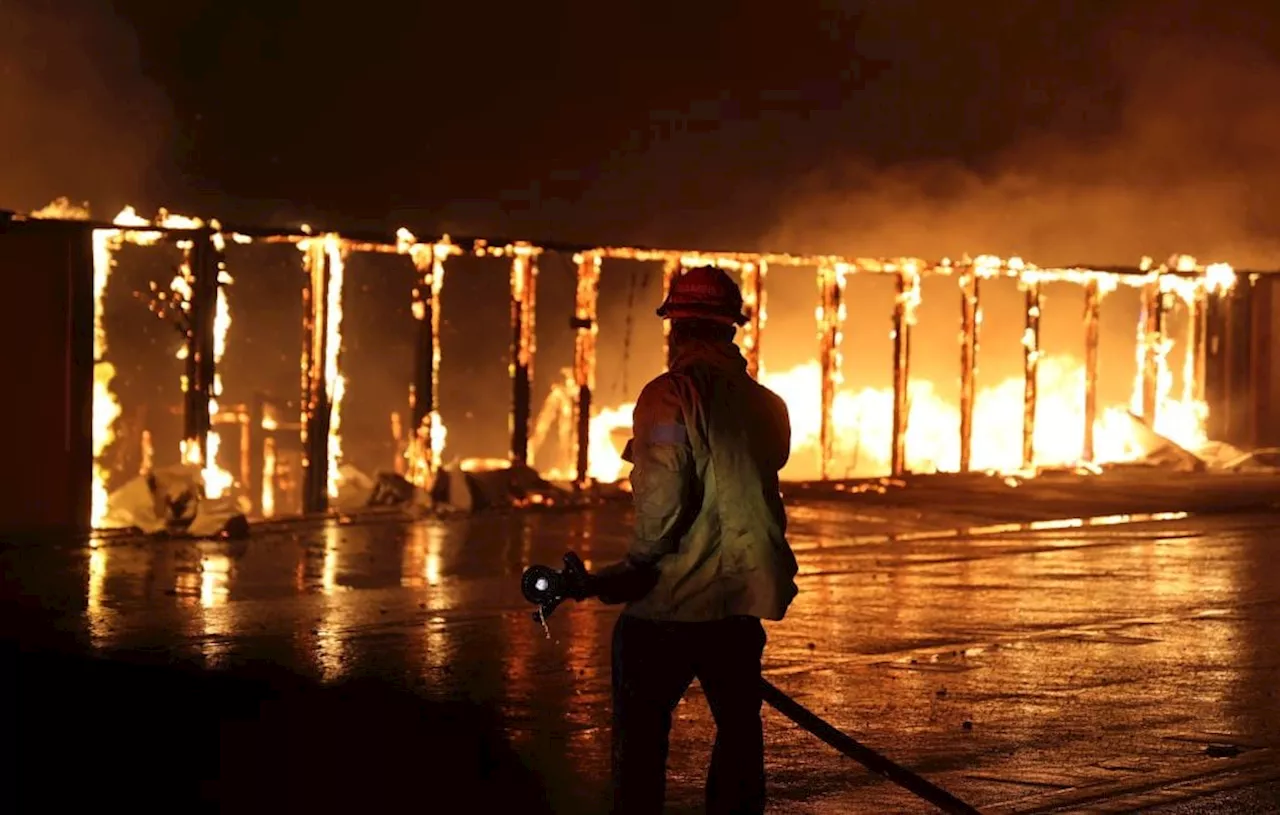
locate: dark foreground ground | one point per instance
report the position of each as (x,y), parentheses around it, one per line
(1103,668)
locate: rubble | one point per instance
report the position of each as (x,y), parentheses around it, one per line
(170,500)
(472,485)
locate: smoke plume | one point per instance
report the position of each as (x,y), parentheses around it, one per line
(80,119)
(1191,164)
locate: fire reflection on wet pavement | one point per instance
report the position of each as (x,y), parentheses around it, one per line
(1007,668)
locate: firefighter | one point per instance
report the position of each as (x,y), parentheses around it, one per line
(709,559)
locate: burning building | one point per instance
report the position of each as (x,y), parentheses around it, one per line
(1201,350)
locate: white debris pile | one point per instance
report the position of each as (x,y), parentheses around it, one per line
(1223,457)
(472,485)
(358,490)
(1156,450)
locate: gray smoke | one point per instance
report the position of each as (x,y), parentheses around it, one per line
(80,118)
(1190,165)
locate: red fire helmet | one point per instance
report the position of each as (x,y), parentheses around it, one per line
(704,293)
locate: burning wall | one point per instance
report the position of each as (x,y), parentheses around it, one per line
(847,421)
(890,407)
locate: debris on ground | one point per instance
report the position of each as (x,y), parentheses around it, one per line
(171,501)
(474,485)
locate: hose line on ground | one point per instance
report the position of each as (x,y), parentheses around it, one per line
(864,755)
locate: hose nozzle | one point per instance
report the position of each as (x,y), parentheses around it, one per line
(547,588)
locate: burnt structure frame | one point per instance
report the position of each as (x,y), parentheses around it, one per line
(1222,331)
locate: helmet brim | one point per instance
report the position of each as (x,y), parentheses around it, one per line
(683,312)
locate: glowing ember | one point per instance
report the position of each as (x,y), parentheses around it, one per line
(148,451)
(438,435)
(268,477)
(471,465)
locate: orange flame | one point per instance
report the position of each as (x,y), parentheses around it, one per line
(863,418)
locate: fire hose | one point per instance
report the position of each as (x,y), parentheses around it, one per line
(547,589)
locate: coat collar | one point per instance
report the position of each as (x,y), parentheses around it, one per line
(722,355)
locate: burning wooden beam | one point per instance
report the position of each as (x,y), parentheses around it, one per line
(426,442)
(1150,340)
(255,440)
(1219,284)
(584,357)
(1031,370)
(524,278)
(904,317)
(315,395)
(1197,330)
(830,314)
(204,262)
(1092,309)
(753,275)
(969,319)
(268,508)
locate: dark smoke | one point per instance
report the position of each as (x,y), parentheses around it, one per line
(80,119)
(1190,164)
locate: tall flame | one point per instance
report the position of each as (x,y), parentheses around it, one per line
(428,259)
(106,408)
(268,477)
(335,382)
(217,480)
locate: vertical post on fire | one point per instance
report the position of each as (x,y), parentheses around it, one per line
(904,317)
(753,275)
(315,396)
(969,320)
(195,411)
(1031,370)
(202,264)
(423,446)
(524,278)
(1092,309)
(1217,391)
(1198,329)
(830,314)
(584,357)
(1150,340)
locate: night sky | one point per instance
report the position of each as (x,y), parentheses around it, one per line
(1067,132)
(903,126)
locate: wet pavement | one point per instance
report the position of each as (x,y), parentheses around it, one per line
(1107,668)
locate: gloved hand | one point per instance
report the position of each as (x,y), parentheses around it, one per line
(578,584)
(620,582)
(623,582)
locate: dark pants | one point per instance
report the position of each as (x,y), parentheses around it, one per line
(653,665)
